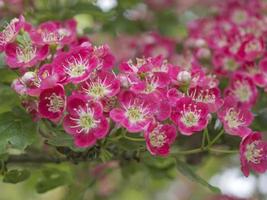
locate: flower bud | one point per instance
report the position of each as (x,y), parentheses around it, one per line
(184,77)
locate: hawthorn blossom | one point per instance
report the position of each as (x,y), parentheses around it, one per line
(25,55)
(54,32)
(27,84)
(243,89)
(104,57)
(253,153)
(159,137)
(235,119)
(251,48)
(147,76)
(100,85)
(134,113)
(85,120)
(190,116)
(211,97)
(52,102)
(76,65)
(10,31)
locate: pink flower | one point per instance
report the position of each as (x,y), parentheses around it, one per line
(243,90)
(134,114)
(104,56)
(211,97)
(256,73)
(225,63)
(85,121)
(25,55)
(147,76)
(54,32)
(190,116)
(235,119)
(251,49)
(10,31)
(184,76)
(28,84)
(52,102)
(74,66)
(253,153)
(100,85)
(159,137)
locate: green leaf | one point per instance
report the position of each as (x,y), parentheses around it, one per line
(52,178)
(8,99)
(15,176)
(16,130)
(62,139)
(189,173)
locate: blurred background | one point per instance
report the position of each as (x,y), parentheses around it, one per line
(131,28)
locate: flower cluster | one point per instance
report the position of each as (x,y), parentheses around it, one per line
(71,82)
(234,42)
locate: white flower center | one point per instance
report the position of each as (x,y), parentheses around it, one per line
(242,91)
(190,115)
(134,114)
(98,89)
(203,96)
(253,153)
(233,119)
(26,53)
(76,66)
(56,103)
(54,37)
(253,45)
(85,121)
(8,32)
(157,139)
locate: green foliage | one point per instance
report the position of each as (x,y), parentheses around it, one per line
(61,139)
(184,169)
(16,130)
(15,176)
(52,178)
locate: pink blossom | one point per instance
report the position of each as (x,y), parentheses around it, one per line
(104,57)
(54,32)
(242,89)
(76,65)
(251,48)
(52,102)
(211,97)
(235,119)
(186,76)
(190,116)
(85,121)
(100,85)
(28,84)
(25,55)
(146,76)
(253,153)
(159,137)
(10,31)
(134,113)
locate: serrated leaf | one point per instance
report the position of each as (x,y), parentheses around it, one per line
(15,176)
(52,178)
(189,173)
(17,130)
